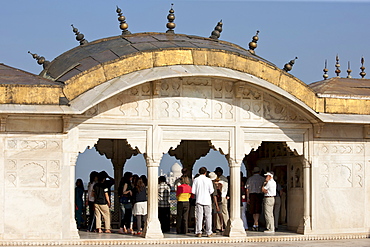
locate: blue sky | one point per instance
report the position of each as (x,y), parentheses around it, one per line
(311,30)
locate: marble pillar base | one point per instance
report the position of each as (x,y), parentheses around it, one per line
(153,229)
(304,225)
(235,228)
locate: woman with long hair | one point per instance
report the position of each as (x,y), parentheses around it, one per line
(79,192)
(183,194)
(90,200)
(125,198)
(140,206)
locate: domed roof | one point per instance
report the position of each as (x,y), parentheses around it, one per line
(176,168)
(84,57)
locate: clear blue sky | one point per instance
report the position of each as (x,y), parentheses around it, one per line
(312,30)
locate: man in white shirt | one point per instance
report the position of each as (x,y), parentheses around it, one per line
(202,189)
(269,188)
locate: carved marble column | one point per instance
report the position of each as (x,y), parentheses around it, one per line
(153,226)
(235,226)
(305,223)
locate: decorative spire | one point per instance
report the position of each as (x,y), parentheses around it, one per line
(79,36)
(123,25)
(288,66)
(349,71)
(40,60)
(362,68)
(253,43)
(337,66)
(217,32)
(325,70)
(171,17)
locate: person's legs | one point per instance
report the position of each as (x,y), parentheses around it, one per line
(127,218)
(185,215)
(138,223)
(268,204)
(179,220)
(106,215)
(122,228)
(277,211)
(225,212)
(243,215)
(208,219)
(92,224)
(198,218)
(98,217)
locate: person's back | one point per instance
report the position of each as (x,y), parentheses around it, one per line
(254,183)
(202,188)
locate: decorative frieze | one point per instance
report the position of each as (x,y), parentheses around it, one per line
(19,144)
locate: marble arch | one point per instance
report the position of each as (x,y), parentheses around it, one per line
(155,90)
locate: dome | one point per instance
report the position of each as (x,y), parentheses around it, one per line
(103,51)
(176,169)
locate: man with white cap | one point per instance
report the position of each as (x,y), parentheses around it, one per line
(255,195)
(269,188)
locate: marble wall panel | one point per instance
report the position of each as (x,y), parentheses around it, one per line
(340,200)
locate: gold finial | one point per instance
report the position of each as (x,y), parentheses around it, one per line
(337,66)
(79,36)
(122,22)
(217,32)
(253,43)
(40,60)
(362,68)
(325,70)
(171,17)
(288,66)
(349,71)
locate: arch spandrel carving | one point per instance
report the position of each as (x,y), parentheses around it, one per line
(200,98)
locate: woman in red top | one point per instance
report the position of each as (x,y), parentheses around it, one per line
(183,194)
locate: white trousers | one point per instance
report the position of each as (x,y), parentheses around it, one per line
(201,210)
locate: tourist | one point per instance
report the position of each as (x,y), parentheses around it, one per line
(243,199)
(224,199)
(125,198)
(255,196)
(184,172)
(202,189)
(102,203)
(79,192)
(277,205)
(108,182)
(269,188)
(90,200)
(183,194)
(140,206)
(216,202)
(164,210)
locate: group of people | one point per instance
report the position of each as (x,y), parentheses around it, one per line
(207,194)
(263,192)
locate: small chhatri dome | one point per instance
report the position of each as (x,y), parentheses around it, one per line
(337,66)
(79,36)
(349,71)
(253,43)
(288,66)
(362,68)
(122,20)
(171,17)
(217,32)
(40,60)
(325,70)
